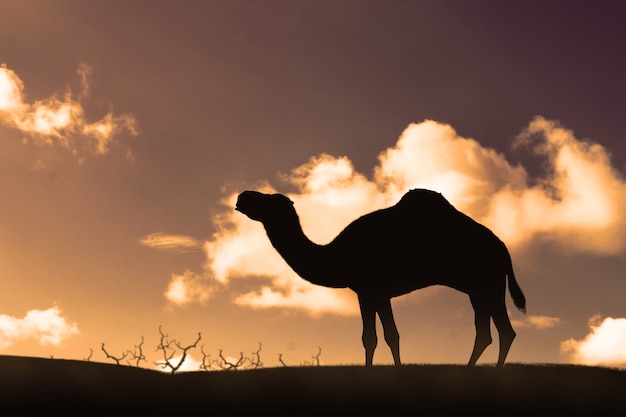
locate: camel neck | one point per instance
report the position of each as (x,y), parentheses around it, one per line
(308,259)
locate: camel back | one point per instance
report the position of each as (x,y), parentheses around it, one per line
(428,201)
(442,245)
(436,214)
(424,222)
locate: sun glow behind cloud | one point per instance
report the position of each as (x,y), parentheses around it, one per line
(60,119)
(604,345)
(576,204)
(47,327)
(189,364)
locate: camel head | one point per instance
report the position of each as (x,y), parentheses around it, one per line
(264,207)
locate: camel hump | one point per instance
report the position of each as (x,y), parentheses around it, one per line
(426,200)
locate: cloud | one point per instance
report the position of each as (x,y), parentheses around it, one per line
(240,248)
(47,327)
(538,322)
(312,299)
(187,288)
(577,204)
(60,119)
(174,243)
(432,155)
(605,345)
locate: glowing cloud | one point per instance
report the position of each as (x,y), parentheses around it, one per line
(59,118)
(432,155)
(48,327)
(187,288)
(538,322)
(578,205)
(240,248)
(175,243)
(605,345)
(314,300)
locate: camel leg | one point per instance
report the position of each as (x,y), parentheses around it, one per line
(505,331)
(482,322)
(392,337)
(370,340)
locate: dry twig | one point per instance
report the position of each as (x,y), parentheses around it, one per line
(165,345)
(137,354)
(116,359)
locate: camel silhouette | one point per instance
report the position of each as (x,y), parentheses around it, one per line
(420,241)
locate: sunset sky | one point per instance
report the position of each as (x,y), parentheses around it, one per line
(128,128)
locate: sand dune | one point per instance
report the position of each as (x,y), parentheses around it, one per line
(31,384)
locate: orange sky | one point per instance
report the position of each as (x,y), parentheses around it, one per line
(127,129)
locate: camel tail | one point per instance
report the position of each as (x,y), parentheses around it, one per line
(516,292)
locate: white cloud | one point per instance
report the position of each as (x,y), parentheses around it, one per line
(432,155)
(174,243)
(313,299)
(538,322)
(604,345)
(578,205)
(60,119)
(187,288)
(47,327)
(240,248)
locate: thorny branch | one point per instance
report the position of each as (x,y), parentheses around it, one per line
(316,358)
(315,362)
(255,360)
(137,354)
(109,356)
(165,345)
(227,365)
(169,348)
(280,359)
(206,360)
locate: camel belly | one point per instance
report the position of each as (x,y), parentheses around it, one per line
(465,275)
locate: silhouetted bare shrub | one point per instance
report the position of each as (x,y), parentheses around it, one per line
(314,362)
(168,348)
(137,354)
(115,358)
(172,363)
